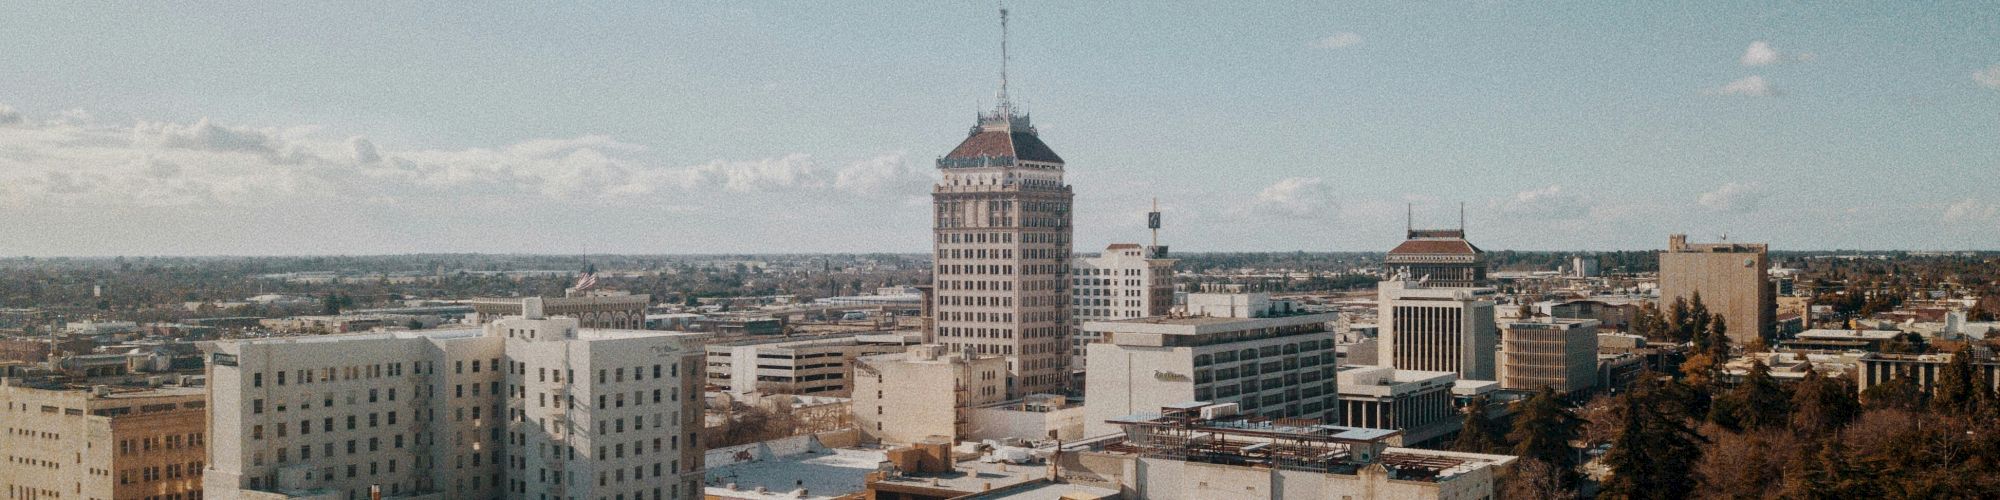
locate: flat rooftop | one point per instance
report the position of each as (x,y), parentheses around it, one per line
(972,475)
(822,474)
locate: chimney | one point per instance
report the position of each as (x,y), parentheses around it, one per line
(531,308)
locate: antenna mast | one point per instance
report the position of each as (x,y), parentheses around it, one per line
(1461,219)
(1003,62)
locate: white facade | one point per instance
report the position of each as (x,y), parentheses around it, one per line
(925,392)
(1438,329)
(812,366)
(1277,366)
(426,414)
(1558,353)
(1121,283)
(1419,403)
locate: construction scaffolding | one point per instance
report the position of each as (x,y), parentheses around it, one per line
(1214,433)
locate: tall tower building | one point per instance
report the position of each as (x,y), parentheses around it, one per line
(1002,234)
(1438,257)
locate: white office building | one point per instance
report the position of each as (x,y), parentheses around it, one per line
(1269,358)
(1446,329)
(1126,281)
(524,407)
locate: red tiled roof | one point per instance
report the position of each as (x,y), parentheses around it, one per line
(1435,247)
(1020,145)
(1122,246)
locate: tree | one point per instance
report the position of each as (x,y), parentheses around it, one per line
(1957,389)
(1826,472)
(1679,319)
(1543,430)
(1534,479)
(1758,402)
(1744,465)
(1894,394)
(1821,406)
(1655,453)
(1715,337)
(333,303)
(1479,434)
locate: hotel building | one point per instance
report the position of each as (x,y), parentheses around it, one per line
(524,407)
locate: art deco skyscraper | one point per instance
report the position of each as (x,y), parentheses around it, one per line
(1002,234)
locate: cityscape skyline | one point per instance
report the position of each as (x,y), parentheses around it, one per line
(1825,128)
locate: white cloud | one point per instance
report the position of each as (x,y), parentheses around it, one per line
(1753,85)
(1971,210)
(1302,197)
(1339,40)
(72,161)
(1734,197)
(1989,78)
(1759,53)
(887,175)
(8,116)
(1552,202)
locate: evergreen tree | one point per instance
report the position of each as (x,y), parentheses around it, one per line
(1957,388)
(1655,452)
(1825,472)
(1543,430)
(1679,319)
(1894,394)
(1479,434)
(1821,406)
(1715,337)
(1758,402)
(1699,319)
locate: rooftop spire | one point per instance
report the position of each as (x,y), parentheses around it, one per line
(1005,117)
(1005,106)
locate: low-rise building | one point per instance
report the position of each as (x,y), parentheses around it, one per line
(1270,358)
(1201,451)
(1417,403)
(1921,369)
(1841,340)
(1036,418)
(102,441)
(924,393)
(818,366)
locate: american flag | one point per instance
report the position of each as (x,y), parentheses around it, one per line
(586,279)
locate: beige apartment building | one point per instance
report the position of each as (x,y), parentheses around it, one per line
(1555,353)
(102,443)
(1731,279)
(524,407)
(928,392)
(1001,230)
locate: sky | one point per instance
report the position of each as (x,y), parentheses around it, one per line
(765,127)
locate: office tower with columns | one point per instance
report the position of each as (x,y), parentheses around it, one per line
(1446,329)
(1002,235)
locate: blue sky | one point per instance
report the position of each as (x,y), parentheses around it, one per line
(784,127)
